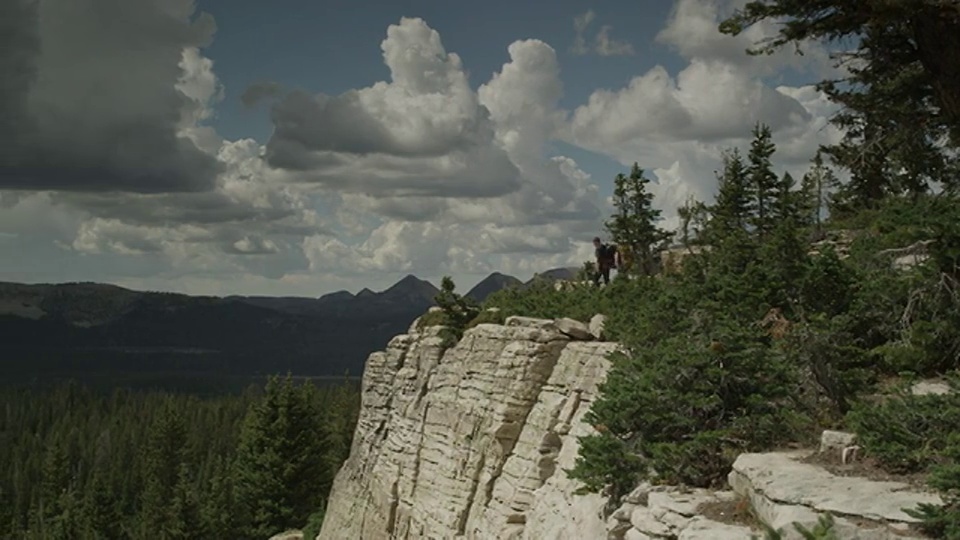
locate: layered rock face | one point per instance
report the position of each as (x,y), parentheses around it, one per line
(472,441)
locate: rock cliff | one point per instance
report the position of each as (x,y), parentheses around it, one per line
(472,441)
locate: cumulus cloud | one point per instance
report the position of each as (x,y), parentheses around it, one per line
(419,173)
(676,126)
(95,104)
(603,44)
(423,133)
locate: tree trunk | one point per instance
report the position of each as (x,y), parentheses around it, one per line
(937,33)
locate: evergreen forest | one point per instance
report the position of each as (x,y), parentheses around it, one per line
(79,463)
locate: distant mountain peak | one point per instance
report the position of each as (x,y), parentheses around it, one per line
(494,282)
(365,293)
(411,288)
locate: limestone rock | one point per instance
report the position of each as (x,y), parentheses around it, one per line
(472,441)
(834,442)
(531,322)
(574,328)
(671,512)
(288,535)
(783,489)
(924,388)
(597,326)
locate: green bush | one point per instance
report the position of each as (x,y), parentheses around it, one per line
(907,433)
(686,406)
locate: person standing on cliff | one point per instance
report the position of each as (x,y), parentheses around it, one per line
(606,255)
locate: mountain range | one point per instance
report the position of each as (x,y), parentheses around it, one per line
(82,328)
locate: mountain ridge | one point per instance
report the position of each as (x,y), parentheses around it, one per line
(80,327)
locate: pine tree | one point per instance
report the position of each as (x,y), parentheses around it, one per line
(763,181)
(101,507)
(814,188)
(163,458)
(185,522)
(634,225)
(900,103)
(693,217)
(56,480)
(727,229)
(280,459)
(458,310)
(217,512)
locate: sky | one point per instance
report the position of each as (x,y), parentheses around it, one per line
(228,147)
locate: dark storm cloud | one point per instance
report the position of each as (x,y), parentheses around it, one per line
(88,99)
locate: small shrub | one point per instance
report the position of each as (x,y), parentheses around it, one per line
(487,316)
(432,318)
(824,530)
(907,433)
(456,310)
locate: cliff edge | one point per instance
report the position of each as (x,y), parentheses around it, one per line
(472,441)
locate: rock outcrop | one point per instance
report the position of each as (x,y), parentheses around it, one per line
(472,441)
(782,489)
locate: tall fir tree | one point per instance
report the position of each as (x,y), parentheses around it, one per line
(280,459)
(727,232)
(634,224)
(763,181)
(900,100)
(815,188)
(163,458)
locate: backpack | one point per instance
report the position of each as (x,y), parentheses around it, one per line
(609,252)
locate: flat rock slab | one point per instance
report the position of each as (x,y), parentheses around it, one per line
(783,489)
(673,514)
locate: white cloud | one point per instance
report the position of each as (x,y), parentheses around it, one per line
(676,126)
(603,44)
(420,173)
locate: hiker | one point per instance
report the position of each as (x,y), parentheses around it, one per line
(606,259)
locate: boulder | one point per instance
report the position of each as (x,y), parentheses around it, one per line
(531,322)
(574,329)
(835,442)
(936,387)
(597,326)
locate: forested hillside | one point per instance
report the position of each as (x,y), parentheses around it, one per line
(86,329)
(77,464)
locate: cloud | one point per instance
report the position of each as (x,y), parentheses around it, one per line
(420,172)
(607,46)
(603,44)
(580,24)
(423,133)
(693,31)
(98,105)
(676,126)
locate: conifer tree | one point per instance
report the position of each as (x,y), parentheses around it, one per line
(101,507)
(814,188)
(217,511)
(634,223)
(762,181)
(280,459)
(56,480)
(693,217)
(726,231)
(901,101)
(163,458)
